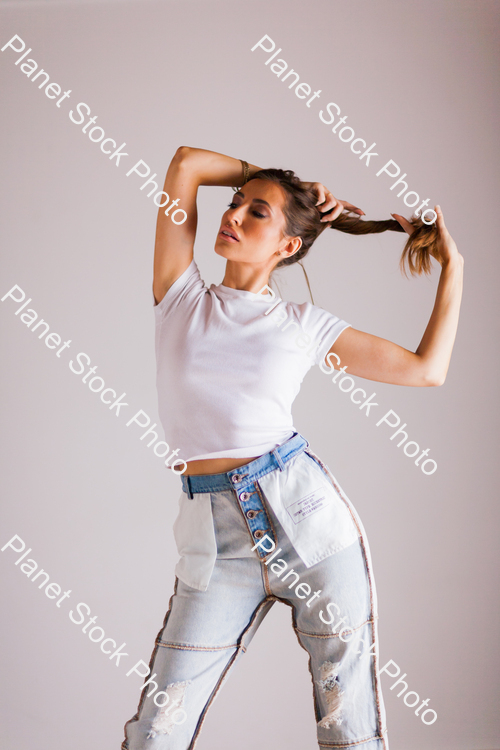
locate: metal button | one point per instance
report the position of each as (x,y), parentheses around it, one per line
(251,513)
(235,478)
(258,534)
(244,496)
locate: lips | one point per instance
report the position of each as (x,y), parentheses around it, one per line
(229,235)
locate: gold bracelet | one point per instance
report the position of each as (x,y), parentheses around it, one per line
(246,171)
(246,174)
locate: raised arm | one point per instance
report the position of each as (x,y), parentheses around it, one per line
(375,358)
(190,168)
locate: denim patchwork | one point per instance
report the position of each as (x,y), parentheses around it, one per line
(206,631)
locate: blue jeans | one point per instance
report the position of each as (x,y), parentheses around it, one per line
(333,605)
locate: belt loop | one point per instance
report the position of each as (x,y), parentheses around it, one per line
(189,492)
(278,459)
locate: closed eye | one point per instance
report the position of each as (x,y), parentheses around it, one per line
(255,213)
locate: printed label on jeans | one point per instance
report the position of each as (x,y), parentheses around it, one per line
(306,506)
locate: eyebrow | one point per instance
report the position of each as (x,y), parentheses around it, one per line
(255,200)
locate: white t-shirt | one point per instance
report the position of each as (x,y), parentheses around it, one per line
(227,373)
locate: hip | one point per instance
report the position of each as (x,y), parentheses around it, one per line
(288,491)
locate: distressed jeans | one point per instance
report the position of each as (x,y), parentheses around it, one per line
(333,606)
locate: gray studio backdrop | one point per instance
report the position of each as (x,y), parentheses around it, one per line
(79,487)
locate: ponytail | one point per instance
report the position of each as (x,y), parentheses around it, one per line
(419,247)
(303,220)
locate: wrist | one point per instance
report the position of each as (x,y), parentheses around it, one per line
(247,172)
(252,169)
(455,264)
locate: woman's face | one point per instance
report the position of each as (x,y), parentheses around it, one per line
(252,229)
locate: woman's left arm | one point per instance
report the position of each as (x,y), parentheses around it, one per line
(378,359)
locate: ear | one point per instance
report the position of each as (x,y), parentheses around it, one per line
(292,246)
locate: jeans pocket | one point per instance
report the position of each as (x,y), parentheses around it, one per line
(195,540)
(317,465)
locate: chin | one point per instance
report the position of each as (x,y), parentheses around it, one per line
(223,249)
(220,250)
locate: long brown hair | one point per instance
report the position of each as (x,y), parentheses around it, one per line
(303,220)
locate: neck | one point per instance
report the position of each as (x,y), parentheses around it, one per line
(246,276)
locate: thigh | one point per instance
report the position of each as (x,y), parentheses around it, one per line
(335,619)
(202,636)
(215,618)
(339,589)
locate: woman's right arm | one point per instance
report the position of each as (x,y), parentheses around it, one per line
(190,168)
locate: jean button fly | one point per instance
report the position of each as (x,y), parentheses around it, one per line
(244,496)
(258,534)
(235,478)
(251,513)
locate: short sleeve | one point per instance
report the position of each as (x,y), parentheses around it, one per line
(189,283)
(321,326)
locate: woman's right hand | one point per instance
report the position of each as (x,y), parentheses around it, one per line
(327,201)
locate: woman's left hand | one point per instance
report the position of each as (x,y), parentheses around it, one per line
(447,249)
(407,226)
(326,201)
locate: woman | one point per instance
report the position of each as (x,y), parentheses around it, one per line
(261,517)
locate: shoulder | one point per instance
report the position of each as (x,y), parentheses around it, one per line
(188,287)
(321,326)
(306,312)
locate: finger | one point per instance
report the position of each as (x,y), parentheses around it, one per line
(321,192)
(440,220)
(332,215)
(349,206)
(329,201)
(326,209)
(341,206)
(337,211)
(354,209)
(409,228)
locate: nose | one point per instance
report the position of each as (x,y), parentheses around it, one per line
(235,215)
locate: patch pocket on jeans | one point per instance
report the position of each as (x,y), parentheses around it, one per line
(195,539)
(314,462)
(311,511)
